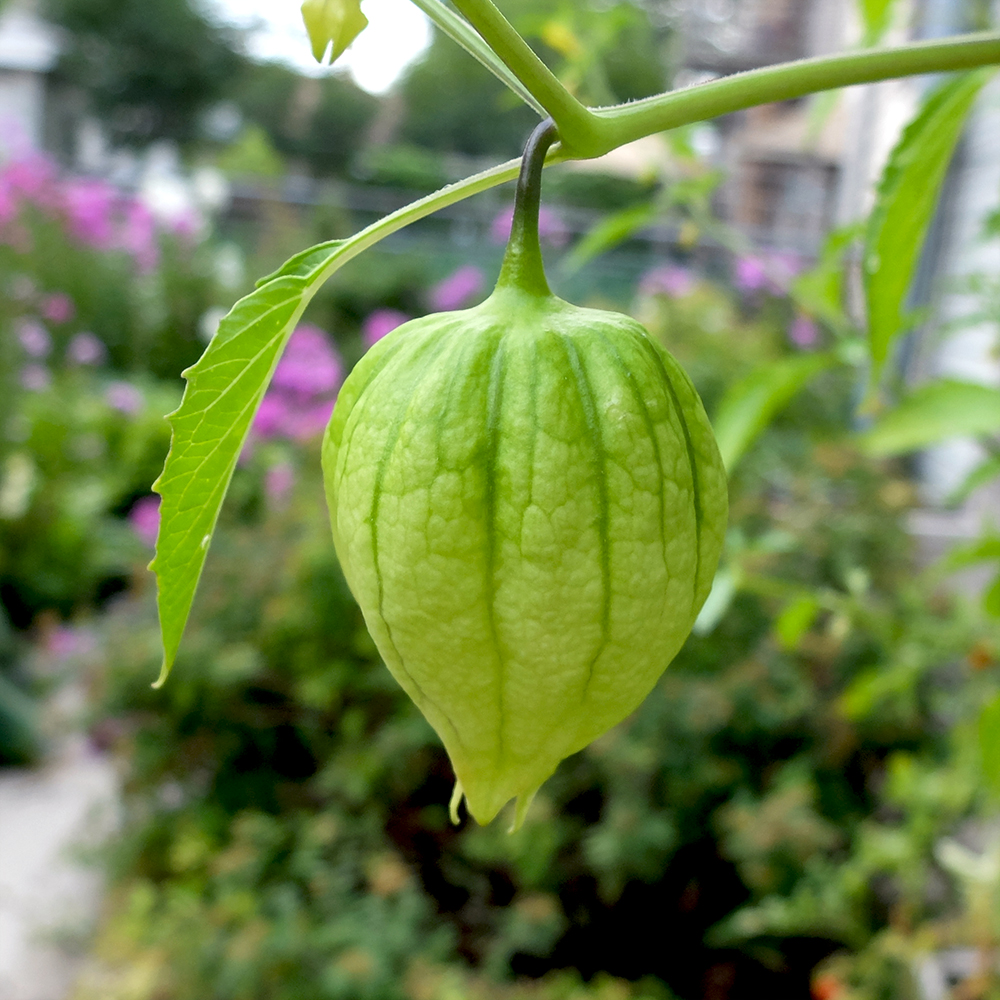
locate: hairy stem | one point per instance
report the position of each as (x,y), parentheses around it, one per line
(625,123)
(571,117)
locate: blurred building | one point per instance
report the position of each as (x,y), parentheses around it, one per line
(29,49)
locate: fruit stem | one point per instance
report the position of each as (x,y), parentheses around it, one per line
(523,268)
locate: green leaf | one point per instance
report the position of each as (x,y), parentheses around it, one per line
(226,386)
(935,412)
(904,205)
(989,742)
(750,404)
(876,15)
(607,233)
(795,620)
(459,30)
(991,599)
(986,471)
(332,22)
(983,549)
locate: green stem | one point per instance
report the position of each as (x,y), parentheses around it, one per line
(571,117)
(522,263)
(625,123)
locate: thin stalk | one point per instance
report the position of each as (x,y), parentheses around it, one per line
(460,31)
(571,117)
(625,123)
(522,263)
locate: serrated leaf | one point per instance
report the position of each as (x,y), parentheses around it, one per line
(226,386)
(332,23)
(904,205)
(750,404)
(935,412)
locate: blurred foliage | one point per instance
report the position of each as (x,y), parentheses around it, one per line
(778,800)
(149,67)
(316,123)
(606,54)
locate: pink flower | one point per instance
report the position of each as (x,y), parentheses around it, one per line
(35,378)
(803,331)
(34,338)
(299,403)
(89,205)
(125,397)
(31,177)
(458,289)
(772,272)
(272,416)
(309,366)
(65,642)
(138,236)
(145,518)
(381,322)
(671,280)
(85,349)
(58,308)
(278,482)
(551,228)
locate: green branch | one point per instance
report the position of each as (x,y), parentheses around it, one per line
(575,122)
(625,123)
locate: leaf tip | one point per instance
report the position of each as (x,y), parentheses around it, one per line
(164,674)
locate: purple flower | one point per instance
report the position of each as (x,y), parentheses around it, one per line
(381,322)
(138,236)
(671,280)
(310,366)
(310,421)
(31,177)
(125,397)
(58,308)
(145,518)
(771,272)
(89,206)
(803,331)
(85,349)
(551,228)
(278,482)
(458,289)
(749,274)
(272,416)
(34,338)
(65,642)
(300,400)
(35,378)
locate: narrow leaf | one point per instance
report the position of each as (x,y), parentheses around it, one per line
(226,386)
(459,30)
(986,471)
(989,742)
(876,15)
(935,412)
(332,22)
(607,233)
(904,206)
(795,620)
(750,404)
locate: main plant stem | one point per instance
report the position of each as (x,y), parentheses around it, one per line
(586,133)
(522,263)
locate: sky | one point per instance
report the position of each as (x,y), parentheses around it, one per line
(396,34)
